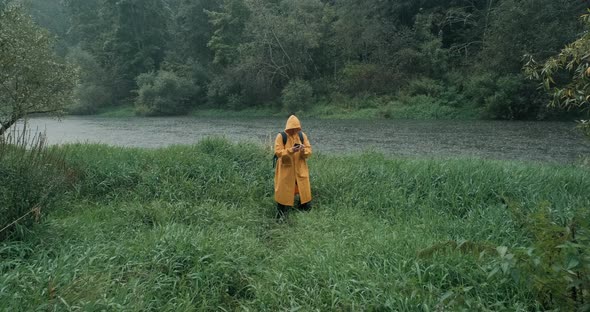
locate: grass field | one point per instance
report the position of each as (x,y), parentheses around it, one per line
(192,229)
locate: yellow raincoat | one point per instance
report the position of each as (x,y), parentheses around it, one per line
(292,166)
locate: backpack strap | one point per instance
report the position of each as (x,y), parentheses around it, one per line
(284,135)
(275,158)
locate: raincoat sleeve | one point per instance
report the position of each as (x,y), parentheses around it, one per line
(280,149)
(307,149)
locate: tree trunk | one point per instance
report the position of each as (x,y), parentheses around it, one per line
(5,126)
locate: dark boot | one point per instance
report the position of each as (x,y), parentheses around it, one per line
(282,211)
(305,207)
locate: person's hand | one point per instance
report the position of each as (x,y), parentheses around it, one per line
(297,148)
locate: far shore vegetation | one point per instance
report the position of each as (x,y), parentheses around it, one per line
(336,59)
(416,108)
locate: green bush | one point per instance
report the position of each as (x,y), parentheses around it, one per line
(505,97)
(90,99)
(217,91)
(478,87)
(514,98)
(355,79)
(297,95)
(424,86)
(230,89)
(323,86)
(224,91)
(557,263)
(448,105)
(163,93)
(235,102)
(417,107)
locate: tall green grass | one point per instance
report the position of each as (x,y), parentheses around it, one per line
(32,178)
(192,228)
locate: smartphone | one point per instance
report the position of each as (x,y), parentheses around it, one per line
(297,145)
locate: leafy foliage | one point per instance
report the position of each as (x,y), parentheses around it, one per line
(557,265)
(566,76)
(32,78)
(228,24)
(297,96)
(539,28)
(92,91)
(239,54)
(162,93)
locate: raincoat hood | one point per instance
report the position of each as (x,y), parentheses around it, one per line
(293,123)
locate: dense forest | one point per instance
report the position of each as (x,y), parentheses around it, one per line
(173,56)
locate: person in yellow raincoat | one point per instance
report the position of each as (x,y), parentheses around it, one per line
(292,173)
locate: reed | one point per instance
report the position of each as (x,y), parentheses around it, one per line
(32,176)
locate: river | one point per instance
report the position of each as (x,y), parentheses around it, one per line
(528,141)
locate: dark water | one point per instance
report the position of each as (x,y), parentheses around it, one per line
(537,141)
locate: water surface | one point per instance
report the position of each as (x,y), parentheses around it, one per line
(537,141)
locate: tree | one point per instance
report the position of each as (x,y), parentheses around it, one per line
(539,28)
(261,45)
(51,15)
(136,41)
(283,38)
(92,91)
(32,78)
(89,22)
(187,53)
(190,31)
(228,24)
(127,37)
(566,76)
(238,53)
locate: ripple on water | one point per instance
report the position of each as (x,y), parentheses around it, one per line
(513,140)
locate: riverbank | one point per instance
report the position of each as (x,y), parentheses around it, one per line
(323,112)
(192,228)
(393,110)
(369,108)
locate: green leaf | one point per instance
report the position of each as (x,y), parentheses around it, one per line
(446,295)
(572,264)
(502,250)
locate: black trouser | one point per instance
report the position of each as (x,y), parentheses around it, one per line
(305,207)
(282,211)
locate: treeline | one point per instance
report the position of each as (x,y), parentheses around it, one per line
(172,56)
